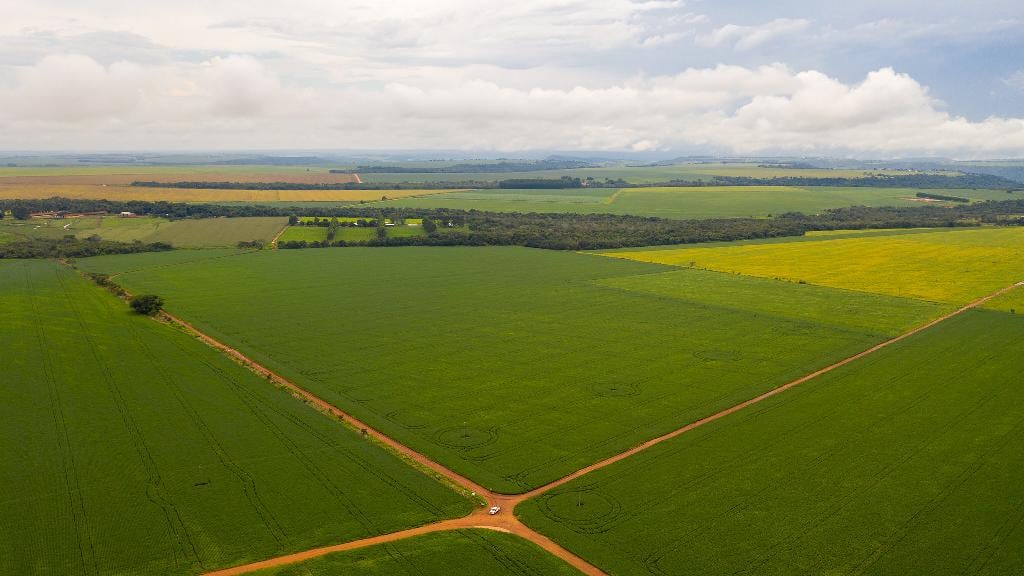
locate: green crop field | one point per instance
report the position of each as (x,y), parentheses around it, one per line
(456,553)
(307,233)
(908,462)
(516,366)
(180,233)
(681,203)
(632,174)
(347,233)
(131,448)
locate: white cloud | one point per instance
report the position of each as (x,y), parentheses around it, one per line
(237,102)
(747,37)
(1015,81)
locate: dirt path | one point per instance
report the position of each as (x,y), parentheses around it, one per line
(505,520)
(273,242)
(358,179)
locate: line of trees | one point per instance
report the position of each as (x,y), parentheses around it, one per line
(961,181)
(580,231)
(467,168)
(71,247)
(943,197)
(926,180)
(541,183)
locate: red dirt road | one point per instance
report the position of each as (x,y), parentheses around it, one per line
(506,521)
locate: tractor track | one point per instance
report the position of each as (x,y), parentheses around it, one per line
(506,521)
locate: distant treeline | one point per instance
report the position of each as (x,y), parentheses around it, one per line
(922,181)
(313,186)
(959,181)
(575,231)
(603,231)
(541,183)
(71,247)
(470,168)
(546,183)
(943,197)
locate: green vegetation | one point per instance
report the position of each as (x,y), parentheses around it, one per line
(941,197)
(179,233)
(679,203)
(72,247)
(908,462)
(509,365)
(131,448)
(147,304)
(456,553)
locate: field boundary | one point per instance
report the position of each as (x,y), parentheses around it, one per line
(505,520)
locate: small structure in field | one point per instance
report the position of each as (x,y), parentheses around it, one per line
(128,215)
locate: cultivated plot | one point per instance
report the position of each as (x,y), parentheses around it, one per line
(952,267)
(188,233)
(682,203)
(131,448)
(516,366)
(910,461)
(456,553)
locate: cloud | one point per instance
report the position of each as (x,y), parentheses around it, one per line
(1015,81)
(77,90)
(236,102)
(747,37)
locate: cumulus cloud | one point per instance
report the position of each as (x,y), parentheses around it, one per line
(75,89)
(747,37)
(236,101)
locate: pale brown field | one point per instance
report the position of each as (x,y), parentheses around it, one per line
(124,192)
(124,179)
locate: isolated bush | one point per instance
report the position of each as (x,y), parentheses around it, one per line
(148,304)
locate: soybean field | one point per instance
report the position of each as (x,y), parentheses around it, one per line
(516,366)
(131,448)
(910,461)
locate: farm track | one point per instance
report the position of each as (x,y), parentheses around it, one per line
(273,242)
(506,520)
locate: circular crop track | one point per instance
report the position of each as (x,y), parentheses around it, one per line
(582,511)
(465,437)
(718,355)
(411,418)
(615,389)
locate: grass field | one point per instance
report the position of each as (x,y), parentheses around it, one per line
(951,266)
(349,234)
(510,365)
(632,174)
(180,233)
(131,448)
(456,553)
(908,462)
(681,203)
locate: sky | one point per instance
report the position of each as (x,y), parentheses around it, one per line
(867,78)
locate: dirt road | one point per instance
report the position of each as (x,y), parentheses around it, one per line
(505,520)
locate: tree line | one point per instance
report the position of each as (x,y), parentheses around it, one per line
(568,231)
(71,247)
(961,181)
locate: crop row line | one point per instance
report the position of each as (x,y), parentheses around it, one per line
(506,522)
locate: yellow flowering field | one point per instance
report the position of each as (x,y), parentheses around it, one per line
(948,266)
